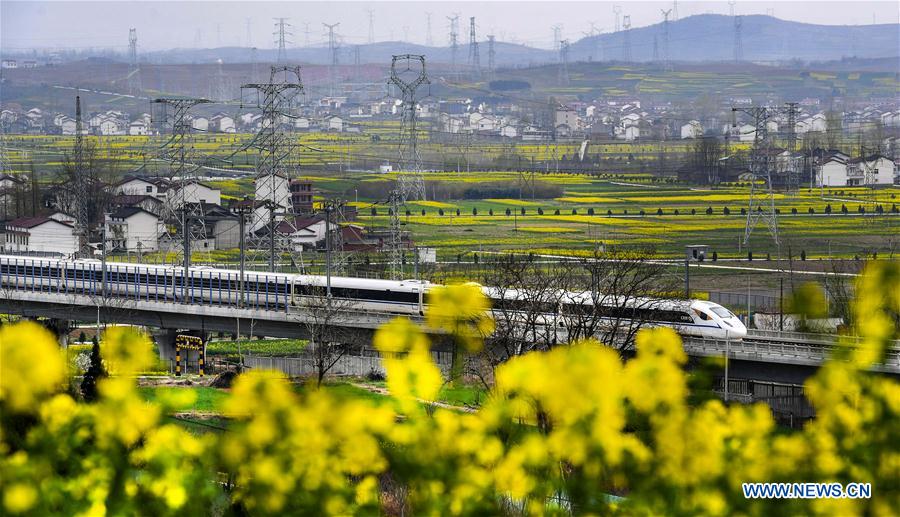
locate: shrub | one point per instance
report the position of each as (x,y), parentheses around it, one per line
(94,373)
(794,210)
(440,211)
(540,211)
(659,211)
(802,254)
(574,211)
(457,212)
(693,211)
(726,211)
(709,210)
(590,211)
(374,211)
(474,210)
(508,212)
(715,256)
(522,211)
(556,212)
(811,210)
(423,211)
(490,211)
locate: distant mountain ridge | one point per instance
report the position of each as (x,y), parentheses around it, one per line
(711,37)
(704,37)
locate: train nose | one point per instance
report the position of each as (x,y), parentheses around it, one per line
(737,330)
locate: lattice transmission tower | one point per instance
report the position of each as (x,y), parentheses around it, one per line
(792,172)
(738,39)
(626,38)
(273,221)
(666,14)
(761,203)
(491,54)
(282,31)
(474,58)
(134,69)
(186,216)
(454,39)
(563,71)
(408,74)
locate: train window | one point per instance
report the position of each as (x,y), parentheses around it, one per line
(703,316)
(722,312)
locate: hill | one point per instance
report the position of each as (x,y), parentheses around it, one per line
(710,37)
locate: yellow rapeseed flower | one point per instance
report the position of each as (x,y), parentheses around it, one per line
(31,365)
(462,310)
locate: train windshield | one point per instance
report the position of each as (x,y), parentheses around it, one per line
(722,312)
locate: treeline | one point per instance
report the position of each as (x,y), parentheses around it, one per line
(444,190)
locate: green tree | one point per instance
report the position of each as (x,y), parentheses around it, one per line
(94,373)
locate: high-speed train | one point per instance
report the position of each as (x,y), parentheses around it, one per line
(279,291)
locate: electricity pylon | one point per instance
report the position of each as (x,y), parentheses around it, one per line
(273,222)
(408,74)
(761,205)
(187,216)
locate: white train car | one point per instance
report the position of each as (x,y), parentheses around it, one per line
(279,291)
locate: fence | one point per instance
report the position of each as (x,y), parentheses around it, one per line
(787,402)
(738,301)
(351,365)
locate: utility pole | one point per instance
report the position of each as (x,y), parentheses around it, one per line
(396,237)
(617,10)
(242,223)
(371,26)
(81,190)
(626,46)
(281,37)
(761,204)
(429,39)
(273,217)
(328,210)
(410,182)
(248,22)
(557,37)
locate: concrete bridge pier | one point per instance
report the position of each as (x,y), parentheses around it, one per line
(165,343)
(165,346)
(61,328)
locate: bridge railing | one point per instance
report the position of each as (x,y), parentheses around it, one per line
(806,351)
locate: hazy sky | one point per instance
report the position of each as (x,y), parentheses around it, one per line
(81,24)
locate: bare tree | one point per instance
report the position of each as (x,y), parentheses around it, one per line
(613,295)
(101,173)
(525,297)
(839,290)
(705,159)
(324,319)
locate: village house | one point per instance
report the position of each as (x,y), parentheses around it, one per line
(133,229)
(46,235)
(692,129)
